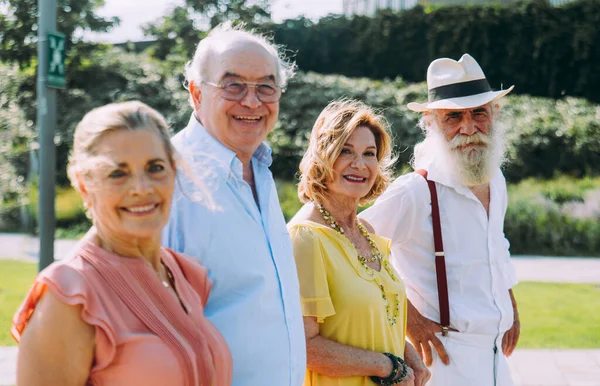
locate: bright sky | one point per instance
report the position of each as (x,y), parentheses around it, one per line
(135,13)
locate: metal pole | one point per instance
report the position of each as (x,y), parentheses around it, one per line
(46,120)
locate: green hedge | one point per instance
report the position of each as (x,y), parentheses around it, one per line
(544,50)
(539,220)
(545,136)
(309,93)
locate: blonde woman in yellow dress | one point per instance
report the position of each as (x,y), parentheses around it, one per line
(354,303)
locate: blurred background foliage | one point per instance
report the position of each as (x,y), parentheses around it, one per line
(553,137)
(544,50)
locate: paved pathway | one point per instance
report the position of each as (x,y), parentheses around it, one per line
(556,367)
(529,367)
(558,269)
(8,364)
(26,247)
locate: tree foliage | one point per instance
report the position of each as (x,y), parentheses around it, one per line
(175,36)
(106,75)
(16,133)
(543,50)
(178,33)
(18,27)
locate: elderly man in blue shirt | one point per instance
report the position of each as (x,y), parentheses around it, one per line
(235,82)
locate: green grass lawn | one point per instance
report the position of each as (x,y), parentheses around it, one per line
(552,315)
(559,315)
(15,279)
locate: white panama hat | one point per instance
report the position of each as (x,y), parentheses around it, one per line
(457,85)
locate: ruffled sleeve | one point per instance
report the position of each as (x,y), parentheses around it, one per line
(312,273)
(67,282)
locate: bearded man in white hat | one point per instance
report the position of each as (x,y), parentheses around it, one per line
(446,223)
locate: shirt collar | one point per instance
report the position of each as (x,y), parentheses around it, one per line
(203,143)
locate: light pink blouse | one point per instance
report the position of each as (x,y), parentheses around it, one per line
(143,334)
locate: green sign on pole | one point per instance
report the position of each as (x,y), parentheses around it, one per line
(56,60)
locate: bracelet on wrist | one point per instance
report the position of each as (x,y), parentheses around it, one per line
(403,372)
(399,366)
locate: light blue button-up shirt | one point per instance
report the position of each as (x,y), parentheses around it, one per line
(255,300)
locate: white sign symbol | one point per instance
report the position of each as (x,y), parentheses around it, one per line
(56,64)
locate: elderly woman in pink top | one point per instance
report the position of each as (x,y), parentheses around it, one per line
(121,310)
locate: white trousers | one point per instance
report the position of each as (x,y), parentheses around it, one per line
(473,361)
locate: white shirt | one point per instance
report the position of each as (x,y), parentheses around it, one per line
(478,265)
(255,298)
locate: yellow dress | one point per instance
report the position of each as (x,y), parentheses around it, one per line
(345,298)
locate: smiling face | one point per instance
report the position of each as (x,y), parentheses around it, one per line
(357,167)
(129,191)
(239,125)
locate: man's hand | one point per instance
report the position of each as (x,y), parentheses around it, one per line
(421,331)
(413,360)
(511,337)
(409,380)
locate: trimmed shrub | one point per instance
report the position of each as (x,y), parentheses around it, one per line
(545,136)
(544,50)
(538,219)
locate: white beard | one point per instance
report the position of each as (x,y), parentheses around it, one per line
(470,166)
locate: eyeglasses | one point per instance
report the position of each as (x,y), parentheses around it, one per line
(237,90)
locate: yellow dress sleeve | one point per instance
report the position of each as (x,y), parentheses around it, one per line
(312,274)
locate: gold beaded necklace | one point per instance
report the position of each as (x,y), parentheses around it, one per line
(376,255)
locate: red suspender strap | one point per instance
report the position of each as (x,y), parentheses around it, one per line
(440,261)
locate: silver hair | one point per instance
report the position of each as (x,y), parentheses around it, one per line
(195,70)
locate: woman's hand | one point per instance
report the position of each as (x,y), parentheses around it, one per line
(413,360)
(409,379)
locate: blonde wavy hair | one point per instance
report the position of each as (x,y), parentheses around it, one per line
(133,115)
(331,130)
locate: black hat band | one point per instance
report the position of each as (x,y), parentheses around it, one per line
(458,90)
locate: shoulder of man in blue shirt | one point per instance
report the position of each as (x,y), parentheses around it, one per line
(248,253)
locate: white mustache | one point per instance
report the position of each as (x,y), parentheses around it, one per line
(462,140)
